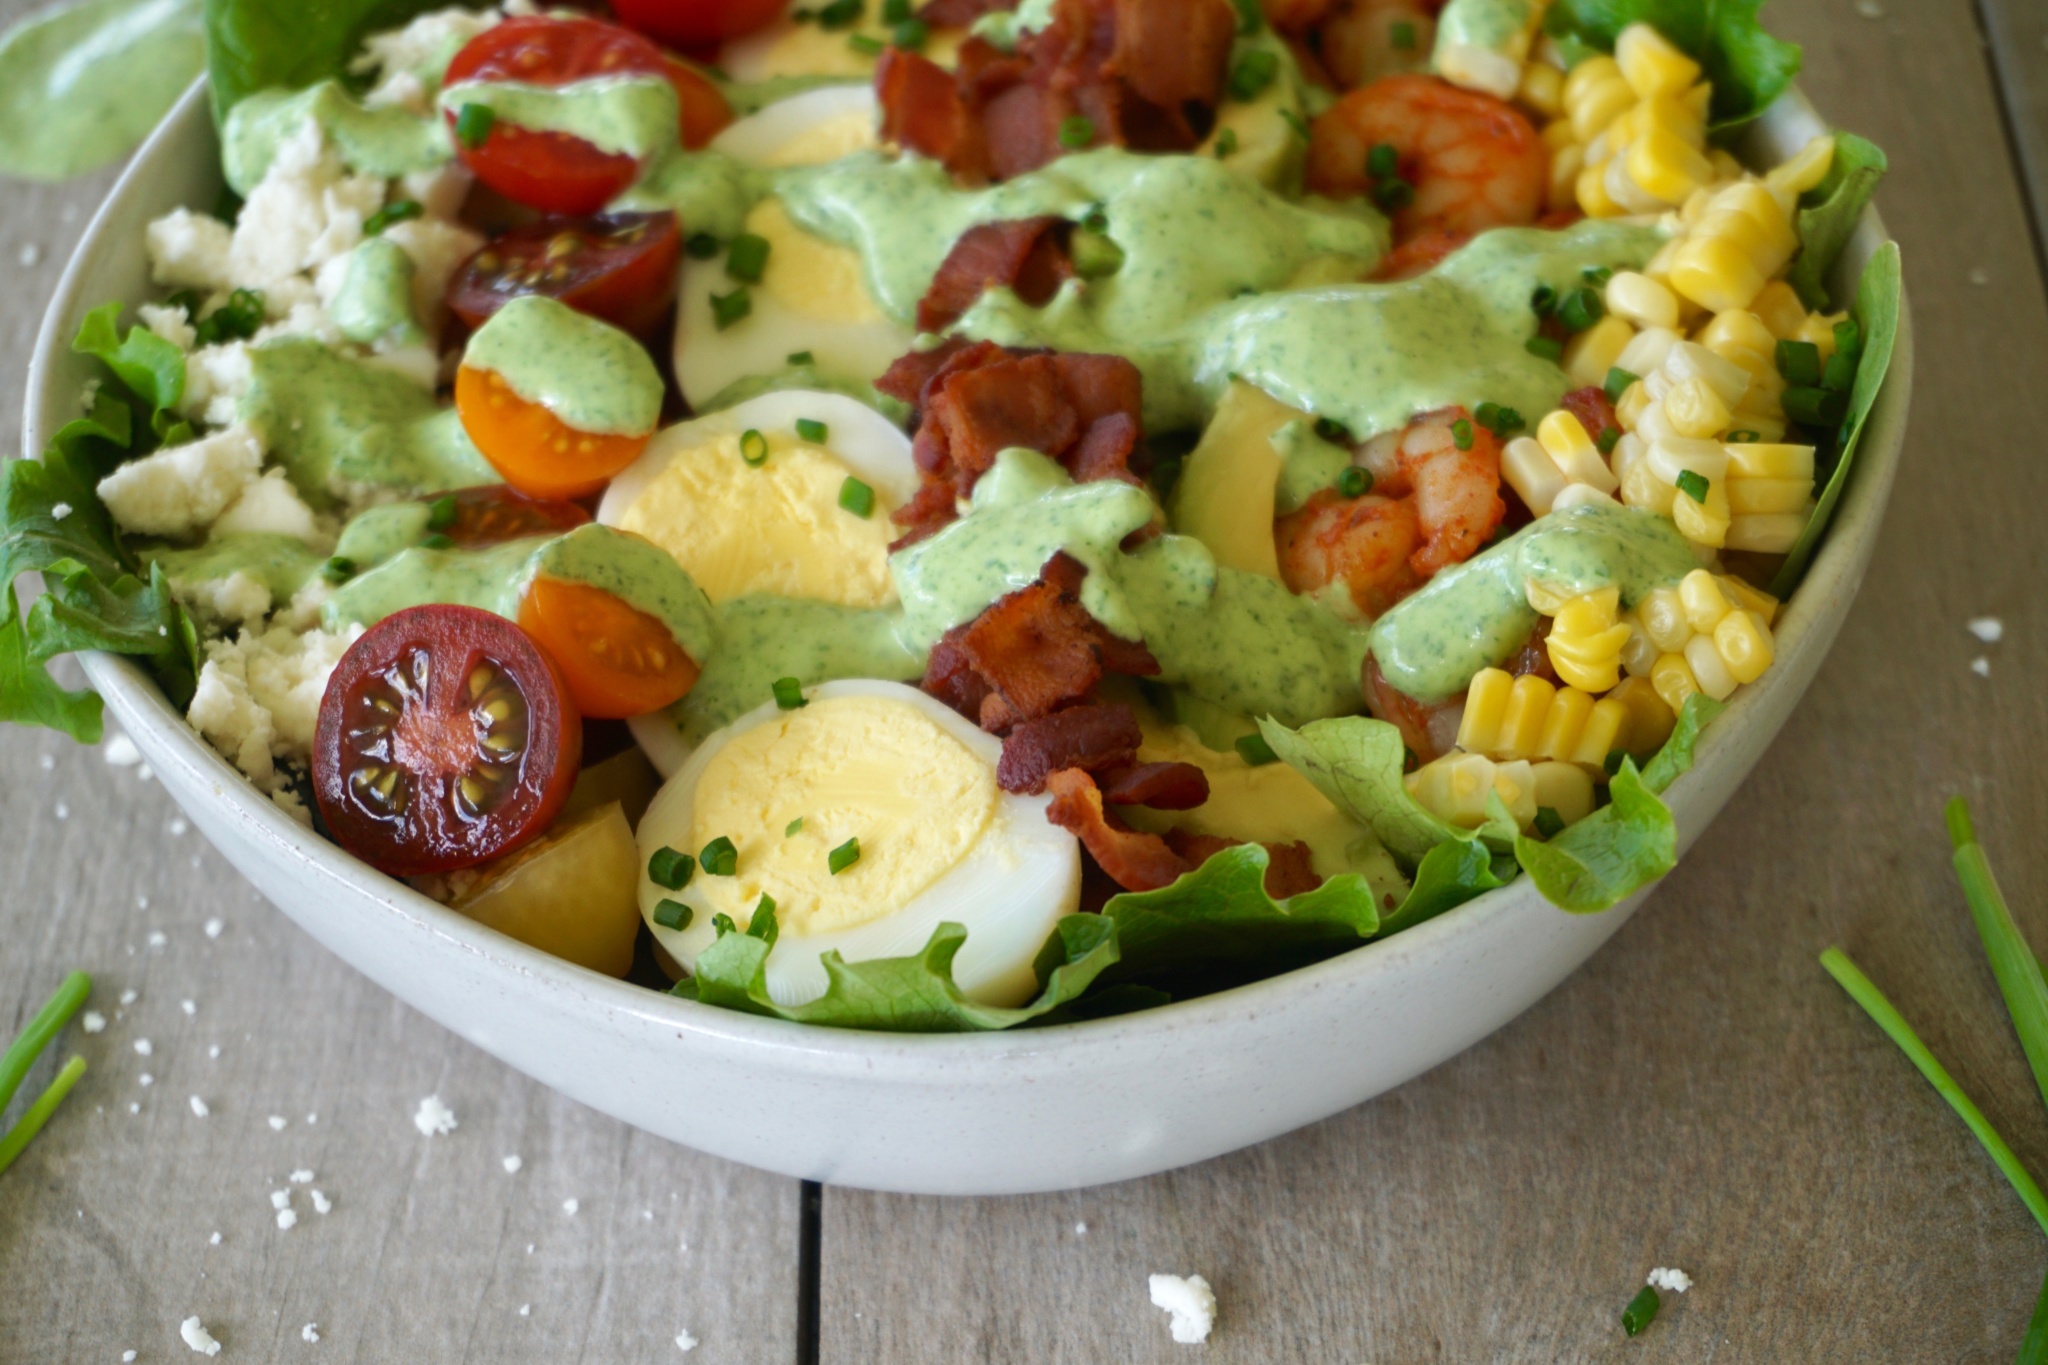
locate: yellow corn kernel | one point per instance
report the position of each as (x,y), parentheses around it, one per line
(1699,102)
(1713,271)
(1486,700)
(1599,107)
(1581,80)
(1662,113)
(1544,600)
(1662,612)
(1688,358)
(1695,410)
(1748,497)
(1780,310)
(1741,336)
(1592,353)
(1557,135)
(1521,722)
(1641,300)
(1748,597)
(1601,734)
(1805,169)
(1454,788)
(1542,89)
(1820,330)
(1651,64)
(1770,533)
(1758,460)
(1515,784)
(1564,789)
(1586,640)
(1763,425)
(1622,187)
(1634,399)
(1744,644)
(1640,487)
(1726,167)
(1533,475)
(1673,680)
(1709,670)
(1664,167)
(1594,200)
(1563,723)
(1648,721)
(1699,593)
(1565,164)
(1563,437)
(1639,654)
(1704,522)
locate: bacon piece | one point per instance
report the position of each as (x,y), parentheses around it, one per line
(1137,862)
(1162,786)
(1028,255)
(1594,412)
(1015,401)
(928,512)
(922,110)
(910,376)
(949,675)
(1290,870)
(1174,53)
(1091,738)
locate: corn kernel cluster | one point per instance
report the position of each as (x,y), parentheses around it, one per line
(1709,634)
(1457,786)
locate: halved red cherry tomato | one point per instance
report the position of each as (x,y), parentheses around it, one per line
(697,23)
(537,452)
(446,738)
(556,172)
(494,513)
(618,266)
(618,660)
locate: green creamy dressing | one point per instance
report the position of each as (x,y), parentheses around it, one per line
(495,579)
(635,115)
(1308,464)
(281,563)
(1490,24)
(375,300)
(1476,615)
(389,142)
(808,379)
(763,638)
(380,533)
(82,84)
(585,371)
(1240,640)
(343,429)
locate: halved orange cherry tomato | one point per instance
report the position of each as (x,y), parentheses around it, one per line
(537,452)
(617,660)
(697,23)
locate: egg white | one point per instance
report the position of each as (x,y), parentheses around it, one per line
(1009,890)
(801,130)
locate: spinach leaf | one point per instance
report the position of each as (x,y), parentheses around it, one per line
(255,45)
(1749,67)
(1828,213)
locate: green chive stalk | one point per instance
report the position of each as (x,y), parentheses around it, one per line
(2012,961)
(31,1123)
(21,1055)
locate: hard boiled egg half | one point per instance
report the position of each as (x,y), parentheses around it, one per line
(915,785)
(811,304)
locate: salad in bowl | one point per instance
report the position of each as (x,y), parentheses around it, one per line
(959,516)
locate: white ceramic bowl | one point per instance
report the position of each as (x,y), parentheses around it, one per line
(1034,1110)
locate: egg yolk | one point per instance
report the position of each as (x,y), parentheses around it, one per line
(775,529)
(828,139)
(874,769)
(815,279)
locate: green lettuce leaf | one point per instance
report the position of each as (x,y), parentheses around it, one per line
(254,45)
(1356,762)
(152,368)
(1749,68)
(1674,760)
(902,994)
(54,123)
(30,696)
(1611,854)
(1828,213)
(1879,299)
(1449,875)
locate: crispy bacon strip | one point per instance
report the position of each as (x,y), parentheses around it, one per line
(1290,870)
(1137,862)
(923,109)
(1028,255)
(1014,401)
(1162,786)
(1594,412)
(1091,738)
(1173,53)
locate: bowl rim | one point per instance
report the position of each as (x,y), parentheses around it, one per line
(139,703)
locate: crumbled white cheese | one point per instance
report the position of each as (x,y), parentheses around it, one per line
(287,1219)
(434,1117)
(190,1007)
(1665,1277)
(1190,1301)
(214,927)
(130,996)
(120,751)
(512,1165)
(127,1356)
(410,62)
(61,811)
(305,211)
(439,192)
(179,491)
(199,1109)
(310,1332)
(684,1341)
(216,378)
(240,599)
(197,1337)
(143,1047)
(59,511)
(569,1206)
(321,1203)
(189,250)
(301,1177)
(1981,666)
(213,1240)
(270,506)
(276,1122)
(1989,629)
(280,1199)
(525,1309)
(258,697)
(169,323)
(145,1079)
(438,248)
(30,255)
(93,1021)
(157,938)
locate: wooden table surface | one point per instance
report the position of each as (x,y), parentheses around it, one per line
(1700,1095)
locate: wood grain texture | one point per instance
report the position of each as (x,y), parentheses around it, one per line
(1701,1095)
(2017,35)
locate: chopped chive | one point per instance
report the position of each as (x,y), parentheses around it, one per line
(397,211)
(1614,760)
(1393,195)
(1799,362)
(38,1113)
(1499,420)
(1694,485)
(338,570)
(719,858)
(753,448)
(865,45)
(56,1012)
(437,541)
(1253,749)
(673,914)
(1226,143)
(701,246)
(793,828)
(722,925)
(235,320)
(1545,348)
(1253,72)
(1096,219)
(442,512)
(1848,337)
(1607,440)
(1250,18)
(1353,482)
(1543,299)
(1839,373)
(671,868)
(1402,36)
(1641,1311)
(747,257)
(1296,122)
(1580,309)
(896,11)
(910,35)
(726,309)
(800,358)
(1333,431)
(1815,407)
(1095,256)
(1548,821)
(473,125)
(1382,162)
(1618,382)
(843,857)
(2012,960)
(1076,131)
(1597,275)
(761,924)
(856,497)
(1745,437)
(812,431)
(789,693)
(840,13)
(1461,434)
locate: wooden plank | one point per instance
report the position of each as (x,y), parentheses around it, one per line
(1701,1095)
(432,1251)
(2017,31)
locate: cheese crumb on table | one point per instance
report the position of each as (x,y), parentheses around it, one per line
(120,751)
(1191,1302)
(93,1022)
(310,1332)
(321,1203)
(569,1206)
(214,926)
(512,1165)
(301,1177)
(199,1109)
(277,1122)
(1665,1277)
(434,1117)
(280,1199)
(197,1337)
(1989,629)
(685,1342)
(1981,666)
(287,1219)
